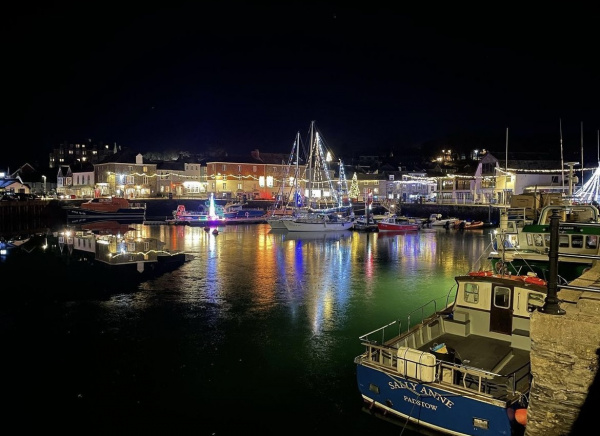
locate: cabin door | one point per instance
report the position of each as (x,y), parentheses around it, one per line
(501,312)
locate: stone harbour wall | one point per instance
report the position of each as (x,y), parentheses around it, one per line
(565,394)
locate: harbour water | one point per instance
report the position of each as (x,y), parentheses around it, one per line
(257,333)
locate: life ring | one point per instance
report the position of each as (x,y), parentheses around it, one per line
(534,280)
(499,267)
(247,214)
(481,273)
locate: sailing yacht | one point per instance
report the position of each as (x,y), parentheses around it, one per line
(325,207)
(291,209)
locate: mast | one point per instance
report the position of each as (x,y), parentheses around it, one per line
(296,172)
(506,156)
(506,169)
(310,161)
(562,162)
(581,131)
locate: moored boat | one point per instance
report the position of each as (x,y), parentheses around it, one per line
(324,208)
(365,224)
(463,368)
(241,210)
(522,242)
(201,218)
(318,222)
(397,224)
(468,225)
(437,220)
(107,208)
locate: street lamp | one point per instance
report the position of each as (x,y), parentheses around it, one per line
(44,192)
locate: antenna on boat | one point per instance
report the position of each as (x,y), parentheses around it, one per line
(571,179)
(562,162)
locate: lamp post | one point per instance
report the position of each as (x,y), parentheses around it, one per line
(44,191)
(551,305)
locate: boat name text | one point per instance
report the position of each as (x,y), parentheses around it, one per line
(424,391)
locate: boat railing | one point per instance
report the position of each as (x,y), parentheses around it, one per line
(393,330)
(426,368)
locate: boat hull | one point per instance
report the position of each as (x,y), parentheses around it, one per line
(76,215)
(430,406)
(278,223)
(245,213)
(384,227)
(323,226)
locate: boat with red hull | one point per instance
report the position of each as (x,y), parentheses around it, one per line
(397,224)
(107,208)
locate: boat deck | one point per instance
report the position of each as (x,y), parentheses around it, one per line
(482,352)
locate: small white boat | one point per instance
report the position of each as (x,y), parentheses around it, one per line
(436,220)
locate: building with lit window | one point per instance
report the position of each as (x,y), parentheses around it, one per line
(82,152)
(120,177)
(259,177)
(181,179)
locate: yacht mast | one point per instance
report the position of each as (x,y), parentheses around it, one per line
(562,162)
(310,161)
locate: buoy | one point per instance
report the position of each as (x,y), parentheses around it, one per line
(521,416)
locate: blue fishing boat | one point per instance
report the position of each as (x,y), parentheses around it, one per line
(462,367)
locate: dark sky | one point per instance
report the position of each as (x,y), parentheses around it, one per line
(247,77)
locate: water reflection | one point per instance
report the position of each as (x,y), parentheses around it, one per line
(263,323)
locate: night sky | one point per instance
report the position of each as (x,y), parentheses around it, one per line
(245,77)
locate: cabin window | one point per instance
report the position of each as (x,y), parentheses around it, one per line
(471,294)
(539,242)
(577,241)
(502,297)
(563,240)
(547,240)
(591,241)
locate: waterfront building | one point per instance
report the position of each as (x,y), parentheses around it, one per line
(64,180)
(179,178)
(259,177)
(121,177)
